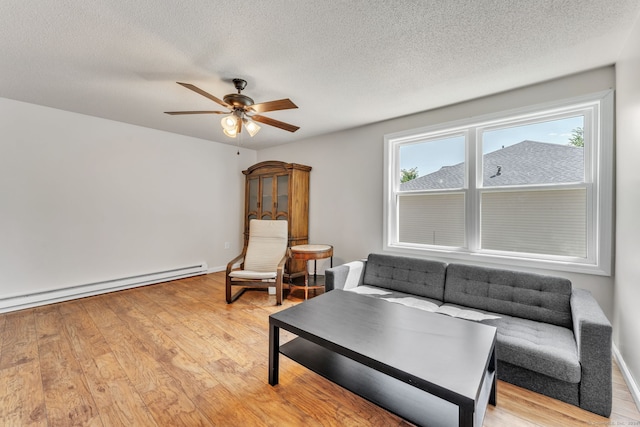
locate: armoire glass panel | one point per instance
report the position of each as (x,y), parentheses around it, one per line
(253,195)
(267,197)
(282,203)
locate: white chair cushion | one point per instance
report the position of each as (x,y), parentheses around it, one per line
(254,275)
(267,245)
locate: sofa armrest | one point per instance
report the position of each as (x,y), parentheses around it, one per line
(345,276)
(592,331)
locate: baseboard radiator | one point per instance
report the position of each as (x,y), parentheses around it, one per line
(34,299)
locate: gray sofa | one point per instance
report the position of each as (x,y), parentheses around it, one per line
(552,338)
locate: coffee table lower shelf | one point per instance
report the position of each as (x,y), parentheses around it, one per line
(400,398)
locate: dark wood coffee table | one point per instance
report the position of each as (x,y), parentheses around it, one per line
(427,368)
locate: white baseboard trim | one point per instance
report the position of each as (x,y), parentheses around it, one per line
(20,302)
(222,268)
(216,269)
(628,378)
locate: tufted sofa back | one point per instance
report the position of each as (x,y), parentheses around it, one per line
(410,275)
(526,295)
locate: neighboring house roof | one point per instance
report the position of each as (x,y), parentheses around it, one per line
(527,162)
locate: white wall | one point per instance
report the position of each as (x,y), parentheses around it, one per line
(85,200)
(627,282)
(346,188)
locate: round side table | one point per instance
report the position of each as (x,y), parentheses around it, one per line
(307,253)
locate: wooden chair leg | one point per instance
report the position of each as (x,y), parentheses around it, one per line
(228,291)
(230,297)
(236,295)
(279,292)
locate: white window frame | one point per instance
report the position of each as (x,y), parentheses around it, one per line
(599,166)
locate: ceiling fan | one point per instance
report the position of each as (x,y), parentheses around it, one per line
(242,110)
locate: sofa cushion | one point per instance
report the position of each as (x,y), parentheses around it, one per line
(408,275)
(526,295)
(537,346)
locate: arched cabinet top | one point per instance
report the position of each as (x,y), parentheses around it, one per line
(271,166)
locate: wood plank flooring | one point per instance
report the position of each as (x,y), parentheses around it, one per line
(175,354)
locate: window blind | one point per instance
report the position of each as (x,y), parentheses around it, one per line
(542,222)
(436,219)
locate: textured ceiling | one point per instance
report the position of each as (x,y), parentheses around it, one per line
(344,63)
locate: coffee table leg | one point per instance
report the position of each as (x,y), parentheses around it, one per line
(494,367)
(274,353)
(465,417)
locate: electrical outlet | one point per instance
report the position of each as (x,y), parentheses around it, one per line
(227,245)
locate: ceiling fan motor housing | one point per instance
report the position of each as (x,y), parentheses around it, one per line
(238,100)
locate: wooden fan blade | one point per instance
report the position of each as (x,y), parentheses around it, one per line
(175,113)
(280,104)
(272,122)
(205,94)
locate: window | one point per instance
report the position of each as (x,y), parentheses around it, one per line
(530,187)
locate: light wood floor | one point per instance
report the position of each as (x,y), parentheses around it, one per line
(175,354)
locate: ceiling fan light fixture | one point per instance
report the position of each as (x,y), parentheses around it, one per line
(230,133)
(229,123)
(251,126)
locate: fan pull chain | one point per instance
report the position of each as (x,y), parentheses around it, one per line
(239,143)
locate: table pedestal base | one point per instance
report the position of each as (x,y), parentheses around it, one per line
(311,282)
(307,253)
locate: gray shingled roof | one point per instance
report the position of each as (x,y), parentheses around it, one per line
(527,162)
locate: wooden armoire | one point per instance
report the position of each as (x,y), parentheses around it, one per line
(279,190)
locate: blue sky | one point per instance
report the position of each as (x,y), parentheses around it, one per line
(431,156)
